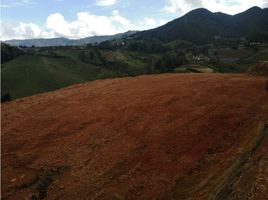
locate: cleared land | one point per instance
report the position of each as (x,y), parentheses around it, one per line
(170,136)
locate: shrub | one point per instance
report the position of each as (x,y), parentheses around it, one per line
(5,97)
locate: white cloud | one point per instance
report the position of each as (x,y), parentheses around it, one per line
(181,6)
(29,30)
(85,25)
(88,24)
(105,2)
(119,19)
(57,23)
(149,22)
(7,31)
(226,6)
(16,3)
(22,31)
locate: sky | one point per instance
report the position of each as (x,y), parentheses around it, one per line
(27,19)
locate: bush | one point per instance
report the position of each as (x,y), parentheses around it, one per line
(169,62)
(5,97)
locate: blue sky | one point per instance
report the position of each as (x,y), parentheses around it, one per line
(22,19)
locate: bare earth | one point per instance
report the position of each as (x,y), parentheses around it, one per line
(170,136)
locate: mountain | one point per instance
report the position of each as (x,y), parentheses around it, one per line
(201,26)
(67,42)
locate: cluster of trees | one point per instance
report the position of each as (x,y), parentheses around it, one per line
(8,52)
(149,46)
(258,37)
(93,56)
(170,61)
(166,63)
(146,45)
(87,56)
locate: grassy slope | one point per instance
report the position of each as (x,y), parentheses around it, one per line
(31,74)
(28,74)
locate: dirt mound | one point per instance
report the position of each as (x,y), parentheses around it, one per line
(261,68)
(173,136)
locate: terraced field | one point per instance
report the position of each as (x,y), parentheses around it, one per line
(169,136)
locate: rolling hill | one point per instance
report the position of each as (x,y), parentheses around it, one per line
(52,68)
(31,74)
(169,136)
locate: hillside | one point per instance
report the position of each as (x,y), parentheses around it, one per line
(202,26)
(31,74)
(47,69)
(169,136)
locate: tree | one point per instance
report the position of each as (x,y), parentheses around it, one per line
(91,55)
(170,61)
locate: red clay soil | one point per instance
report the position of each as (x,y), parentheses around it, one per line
(170,136)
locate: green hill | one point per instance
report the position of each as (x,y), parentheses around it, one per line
(31,74)
(49,68)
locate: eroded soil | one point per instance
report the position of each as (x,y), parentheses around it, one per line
(171,136)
